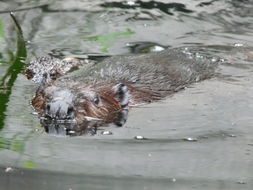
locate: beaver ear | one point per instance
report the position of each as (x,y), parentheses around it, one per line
(121,94)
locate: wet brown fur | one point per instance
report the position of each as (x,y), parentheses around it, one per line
(148,77)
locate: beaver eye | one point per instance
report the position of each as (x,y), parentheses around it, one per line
(96,100)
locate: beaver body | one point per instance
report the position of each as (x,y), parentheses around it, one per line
(101,90)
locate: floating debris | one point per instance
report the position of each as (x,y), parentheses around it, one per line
(106,133)
(241,182)
(173,179)
(190,139)
(8,169)
(138,137)
(238,45)
(232,135)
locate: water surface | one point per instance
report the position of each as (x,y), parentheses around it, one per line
(199,138)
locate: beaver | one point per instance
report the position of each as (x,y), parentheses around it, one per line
(102,92)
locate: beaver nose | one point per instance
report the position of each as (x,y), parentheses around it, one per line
(59,110)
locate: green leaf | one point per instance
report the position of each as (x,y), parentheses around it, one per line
(21,46)
(29,164)
(106,41)
(1,29)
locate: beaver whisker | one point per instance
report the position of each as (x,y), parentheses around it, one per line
(87,118)
(49,119)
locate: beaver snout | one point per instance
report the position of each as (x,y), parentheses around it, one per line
(60,110)
(60,106)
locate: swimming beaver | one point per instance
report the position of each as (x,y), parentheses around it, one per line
(104,91)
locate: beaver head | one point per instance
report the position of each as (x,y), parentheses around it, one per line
(78,103)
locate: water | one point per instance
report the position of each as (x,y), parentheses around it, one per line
(199,138)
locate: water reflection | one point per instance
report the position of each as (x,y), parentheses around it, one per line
(88,126)
(167,8)
(16,65)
